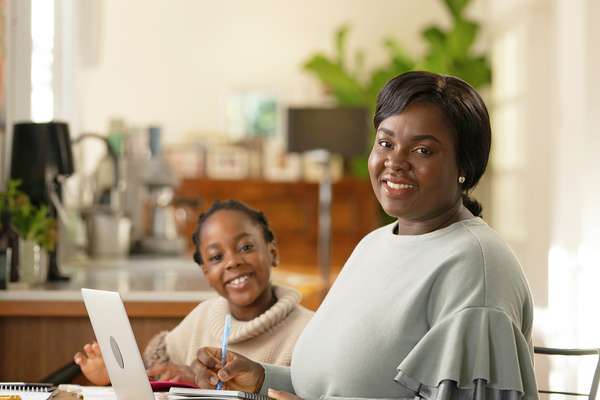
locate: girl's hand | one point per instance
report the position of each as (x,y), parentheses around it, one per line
(171,372)
(238,373)
(92,364)
(279,395)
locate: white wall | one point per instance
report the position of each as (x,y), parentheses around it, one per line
(173,62)
(18,73)
(575,242)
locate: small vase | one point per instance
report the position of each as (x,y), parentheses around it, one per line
(33,262)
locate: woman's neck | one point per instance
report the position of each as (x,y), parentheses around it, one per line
(246,313)
(456,213)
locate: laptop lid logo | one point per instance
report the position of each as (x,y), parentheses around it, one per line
(117,352)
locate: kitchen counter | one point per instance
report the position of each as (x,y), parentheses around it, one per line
(147,280)
(42,327)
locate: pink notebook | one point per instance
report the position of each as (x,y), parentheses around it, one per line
(164,386)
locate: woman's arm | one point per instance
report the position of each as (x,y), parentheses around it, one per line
(278,378)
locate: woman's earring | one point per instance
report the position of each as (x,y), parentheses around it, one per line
(461,179)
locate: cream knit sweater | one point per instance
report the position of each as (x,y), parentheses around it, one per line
(268,338)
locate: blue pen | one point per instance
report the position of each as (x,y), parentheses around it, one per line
(224,341)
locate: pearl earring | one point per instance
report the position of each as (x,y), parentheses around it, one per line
(461,179)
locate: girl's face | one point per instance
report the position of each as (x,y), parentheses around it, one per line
(237,259)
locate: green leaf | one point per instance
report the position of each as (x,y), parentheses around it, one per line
(340,44)
(400,59)
(359,166)
(359,62)
(437,62)
(346,89)
(461,38)
(475,70)
(435,36)
(30,222)
(456,7)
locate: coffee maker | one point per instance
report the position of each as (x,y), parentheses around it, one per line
(41,159)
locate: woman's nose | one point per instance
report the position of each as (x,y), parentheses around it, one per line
(397,162)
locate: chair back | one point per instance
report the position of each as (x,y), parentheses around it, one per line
(573,353)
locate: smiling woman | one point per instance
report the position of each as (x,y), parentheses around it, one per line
(444,311)
(236,250)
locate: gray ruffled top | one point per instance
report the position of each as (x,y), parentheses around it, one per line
(444,315)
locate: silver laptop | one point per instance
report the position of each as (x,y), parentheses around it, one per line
(117,343)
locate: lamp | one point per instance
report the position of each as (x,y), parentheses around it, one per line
(41,159)
(342,130)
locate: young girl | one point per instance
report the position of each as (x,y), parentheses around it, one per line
(236,249)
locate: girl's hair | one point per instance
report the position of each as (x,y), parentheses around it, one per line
(256,216)
(462,106)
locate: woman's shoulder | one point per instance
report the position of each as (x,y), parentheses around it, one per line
(495,252)
(481,263)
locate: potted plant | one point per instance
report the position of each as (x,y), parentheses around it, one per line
(450,51)
(36,229)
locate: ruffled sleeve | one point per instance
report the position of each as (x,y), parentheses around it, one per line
(476,353)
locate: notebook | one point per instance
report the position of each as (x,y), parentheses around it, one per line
(24,386)
(206,394)
(27,391)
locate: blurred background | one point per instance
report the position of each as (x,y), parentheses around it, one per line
(188,101)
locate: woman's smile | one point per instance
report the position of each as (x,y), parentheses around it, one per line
(398,187)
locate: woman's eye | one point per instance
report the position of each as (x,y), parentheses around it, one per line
(423,150)
(247,247)
(384,143)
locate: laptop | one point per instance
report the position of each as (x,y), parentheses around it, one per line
(123,360)
(117,343)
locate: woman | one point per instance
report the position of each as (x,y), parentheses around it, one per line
(434,305)
(236,250)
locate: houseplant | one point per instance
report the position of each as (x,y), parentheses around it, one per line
(36,229)
(449,51)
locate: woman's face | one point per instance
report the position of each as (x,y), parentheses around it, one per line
(413,165)
(237,259)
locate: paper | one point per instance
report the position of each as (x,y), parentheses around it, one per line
(176,392)
(25,395)
(107,393)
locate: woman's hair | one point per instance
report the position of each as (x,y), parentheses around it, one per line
(256,216)
(462,106)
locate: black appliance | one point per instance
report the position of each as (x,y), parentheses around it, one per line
(41,158)
(342,130)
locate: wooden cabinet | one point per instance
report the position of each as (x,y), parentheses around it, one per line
(292,211)
(38,337)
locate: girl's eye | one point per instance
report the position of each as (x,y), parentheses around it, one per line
(215,258)
(384,143)
(246,247)
(423,150)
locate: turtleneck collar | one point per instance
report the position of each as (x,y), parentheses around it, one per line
(287,300)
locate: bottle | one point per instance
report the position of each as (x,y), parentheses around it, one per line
(3,265)
(9,250)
